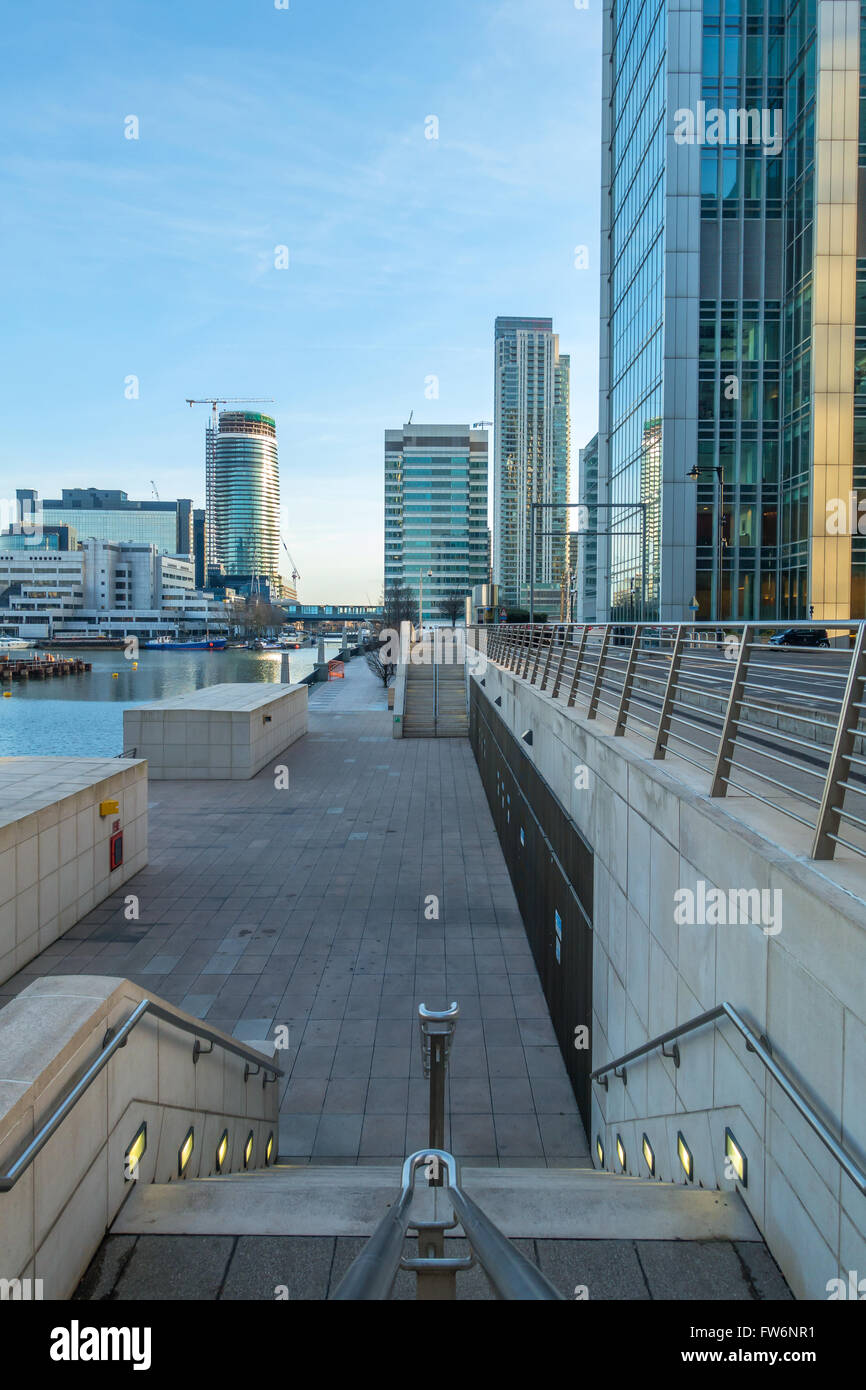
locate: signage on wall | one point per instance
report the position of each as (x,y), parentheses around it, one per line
(115,850)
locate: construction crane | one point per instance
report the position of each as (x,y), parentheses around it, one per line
(295,575)
(483,424)
(155,492)
(214,401)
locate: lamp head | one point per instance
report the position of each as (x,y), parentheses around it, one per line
(693,473)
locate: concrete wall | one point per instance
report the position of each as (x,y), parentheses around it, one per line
(54,1219)
(805,986)
(225,732)
(54,853)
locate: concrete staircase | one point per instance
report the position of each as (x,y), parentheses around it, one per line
(452,720)
(419,715)
(435,699)
(299,1228)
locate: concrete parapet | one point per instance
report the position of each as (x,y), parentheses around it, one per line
(56,827)
(797,972)
(221,733)
(56,1215)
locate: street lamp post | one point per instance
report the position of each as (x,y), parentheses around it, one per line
(421,597)
(694,473)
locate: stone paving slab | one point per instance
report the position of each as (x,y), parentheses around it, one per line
(310,1269)
(262,908)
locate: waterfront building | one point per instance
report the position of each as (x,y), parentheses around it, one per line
(102,588)
(732,392)
(532,460)
(110,515)
(243,497)
(436,512)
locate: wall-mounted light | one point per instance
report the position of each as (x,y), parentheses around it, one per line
(599,1149)
(739,1161)
(527,737)
(222,1150)
(184,1153)
(684,1154)
(248,1149)
(135,1152)
(498,700)
(620,1153)
(648,1155)
(269,1149)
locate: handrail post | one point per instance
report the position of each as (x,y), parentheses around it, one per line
(664,728)
(541,636)
(578,661)
(549,657)
(599,672)
(728,736)
(557,680)
(437,1033)
(833,796)
(628,682)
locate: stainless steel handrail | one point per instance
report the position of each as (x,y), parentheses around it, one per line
(115,1039)
(610,665)
(761,1047)
(371,1275)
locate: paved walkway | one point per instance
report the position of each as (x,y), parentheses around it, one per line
(306,907)
(307,1267)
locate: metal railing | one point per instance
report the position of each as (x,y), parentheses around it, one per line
(116,1038)
(371,1275)
(782,725)
(760,1045)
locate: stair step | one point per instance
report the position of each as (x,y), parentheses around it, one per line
(539,1203)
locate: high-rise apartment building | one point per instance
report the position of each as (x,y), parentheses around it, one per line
(583,543)
(732,392)
(532,460)
(243,485)
(436,512)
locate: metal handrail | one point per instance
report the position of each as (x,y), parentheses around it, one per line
(115,1039)
(617,670)
(761,1047)
(371,1275)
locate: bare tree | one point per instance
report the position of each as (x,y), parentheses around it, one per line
(384,670)
(399,605)
(453,605)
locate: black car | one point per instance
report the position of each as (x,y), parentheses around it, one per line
(801,637)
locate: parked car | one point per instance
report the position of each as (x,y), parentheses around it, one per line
(801,637)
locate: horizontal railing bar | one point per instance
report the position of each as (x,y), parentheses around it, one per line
(772,781)
(846,844)
(761,752)
(776,806)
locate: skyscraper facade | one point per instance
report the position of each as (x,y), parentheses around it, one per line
(532,461)
(733,384)
(243,524)
(436,536)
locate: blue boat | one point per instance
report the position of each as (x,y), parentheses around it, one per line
(173,644)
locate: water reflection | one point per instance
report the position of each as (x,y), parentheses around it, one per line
(83,715)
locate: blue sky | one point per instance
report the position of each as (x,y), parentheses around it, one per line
(302,128)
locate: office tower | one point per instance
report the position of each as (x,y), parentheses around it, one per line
(243,519)
(435,513)
(532,462)
(105,514)
(732,223)
(199,546)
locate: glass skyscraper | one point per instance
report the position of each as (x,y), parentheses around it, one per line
(436,512)
(733,342)
(243,525)
(532,463)
(109,515)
